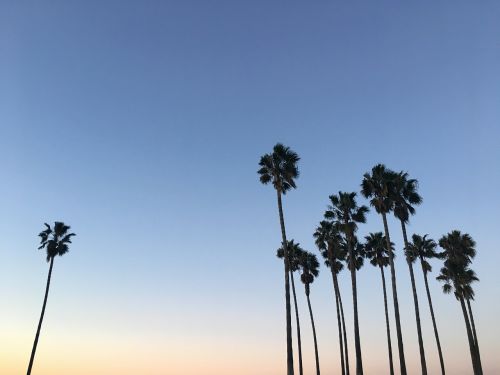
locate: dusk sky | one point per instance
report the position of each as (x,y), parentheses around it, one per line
(141,124)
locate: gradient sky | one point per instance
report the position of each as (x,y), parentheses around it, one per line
(140,124)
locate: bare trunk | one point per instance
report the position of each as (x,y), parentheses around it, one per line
(299,341)
(346,348)
(402,362)
(472,347)
(387,325)
(314,331)
(423,362)
(475,336)
(339,324)
(289,348)
(434,325)
(357,343)
(35,343)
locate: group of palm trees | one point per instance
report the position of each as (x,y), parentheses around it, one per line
(388,192)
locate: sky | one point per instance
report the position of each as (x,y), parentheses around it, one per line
(141,123)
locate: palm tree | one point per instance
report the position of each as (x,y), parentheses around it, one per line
(310,269)
(55,241)
(379,186)
(345,212)
(328,241)
(405,198)
(456,277)
(376,251)
(459,250)
(280,169)
(424,248)
(294,254)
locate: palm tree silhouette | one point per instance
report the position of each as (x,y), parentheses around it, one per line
(345,212)
(294,254)
(379,186)
(424,248)
(328,241)
(376,251)
(459,250)
(280,169)
(55,241)
(310,269)
(405,197)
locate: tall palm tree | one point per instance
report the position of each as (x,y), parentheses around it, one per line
(294,255)
(344,211)
(405,198)
(55,241)
(459,250)
(280,169)
(310,269)
(378,186)
(376,251)
(424,248)
(328,241)
(456,276)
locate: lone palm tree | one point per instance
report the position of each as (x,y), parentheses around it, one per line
(424,248)
(376,251)
(328,241)
(55,241)
(294,254)
(344,211)
(459,250)
(405,198)
(280,169)
(378,186)
(310,269)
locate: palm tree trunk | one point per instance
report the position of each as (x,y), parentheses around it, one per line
(387,325)
(33,351)
(346,348)
(299,341)
(475,336)
(423,362)
(402,362)
(436,334)
(314,331)
(339,324)
(472,347)
(357,343)
(289,348)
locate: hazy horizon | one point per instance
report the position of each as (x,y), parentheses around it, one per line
(141,124)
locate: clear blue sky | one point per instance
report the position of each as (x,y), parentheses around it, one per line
(141,124)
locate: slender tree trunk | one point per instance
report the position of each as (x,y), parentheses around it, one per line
(434,325)
(299,341)
(357,343)
(313,329)
(33,351)
(387,325)
(474,333)
(472,347)
(402,362)
(289,348)
(346,348)
(423,362)
(339,324)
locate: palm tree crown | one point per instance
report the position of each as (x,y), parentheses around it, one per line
(279,168)
(55,240)
(346,213)
(379,186)
(310,268)
(422,248)
(328,240)
(405,196)
(376,249)
(458,247)
(294,255)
